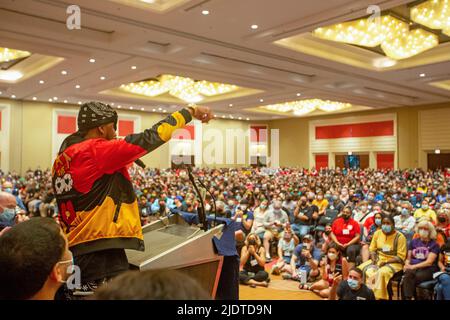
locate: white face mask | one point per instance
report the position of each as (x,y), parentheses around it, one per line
(424,233)
(332,256)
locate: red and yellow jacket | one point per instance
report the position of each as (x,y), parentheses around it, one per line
(97,206)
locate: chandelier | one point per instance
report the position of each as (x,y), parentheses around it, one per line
(303,107)
(183,88)
(7,54)
(434,14)
(393,35)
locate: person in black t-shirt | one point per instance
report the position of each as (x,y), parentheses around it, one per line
(351,289)
(303,214)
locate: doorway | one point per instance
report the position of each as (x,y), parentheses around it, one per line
(354,161)
(438,161)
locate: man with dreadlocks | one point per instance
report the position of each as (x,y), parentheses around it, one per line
(98,209)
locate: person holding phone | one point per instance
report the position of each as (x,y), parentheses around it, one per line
(332,264)
(352,289)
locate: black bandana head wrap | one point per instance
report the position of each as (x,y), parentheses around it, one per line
(94,114)
(91,115)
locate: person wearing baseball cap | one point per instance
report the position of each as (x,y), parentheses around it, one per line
(97,205)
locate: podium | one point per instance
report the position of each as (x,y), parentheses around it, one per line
(171,243)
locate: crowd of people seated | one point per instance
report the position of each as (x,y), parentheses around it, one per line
(341,233)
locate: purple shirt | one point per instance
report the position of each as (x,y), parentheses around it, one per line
(420,250)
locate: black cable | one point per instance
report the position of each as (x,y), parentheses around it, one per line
(214,201)
(201,213)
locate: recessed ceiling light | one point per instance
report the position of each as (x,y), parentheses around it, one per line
(51,100)
(154,110)
(0,92)
(131,108)
(13,96)
(79,102)
(142,109)
(223,116)
(261,100)
(55,98)
(299,94)
(34,98)
(102,78)
(64,72)
(254,26)
(41,81)
(215,116)
(240,118)
(205,12)
(112,103)
(159,109)
(230,105)
(119,106)
(65,101)
(77,86)
(422,75)
(164,111)
(133,67)
(92,60)
(247,119)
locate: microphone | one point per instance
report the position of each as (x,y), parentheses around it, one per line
(140,163)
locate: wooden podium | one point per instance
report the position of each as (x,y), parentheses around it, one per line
(171,243)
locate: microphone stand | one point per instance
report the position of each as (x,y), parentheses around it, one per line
(213,199)
(201,211)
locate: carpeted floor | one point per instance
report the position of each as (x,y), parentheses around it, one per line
(278,289)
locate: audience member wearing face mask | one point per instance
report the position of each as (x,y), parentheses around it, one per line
(351,289)
(275,220)
(421,262)
(405,222)
(34,259)
(346,234)
(331,265)
(387,255)
(253,259)
(425,212)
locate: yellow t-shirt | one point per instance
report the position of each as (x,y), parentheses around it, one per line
(322,204)
(430,215)
(383,245)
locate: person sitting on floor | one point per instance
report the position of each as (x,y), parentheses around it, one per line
(286,247)
(304,262)
(253,260)
(331,265)
(351,289)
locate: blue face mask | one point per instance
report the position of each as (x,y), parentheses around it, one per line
(386,228)
(378,222)
(353,284)
(9,190)
(405,212)
(7,217)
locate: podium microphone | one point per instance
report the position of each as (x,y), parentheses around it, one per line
(140,163)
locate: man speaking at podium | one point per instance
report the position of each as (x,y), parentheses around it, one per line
(98,209)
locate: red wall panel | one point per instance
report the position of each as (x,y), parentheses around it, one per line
(187,133)
(258,134)
(126,127)
(321,161)
(67,124)
(385,160)
(356,130)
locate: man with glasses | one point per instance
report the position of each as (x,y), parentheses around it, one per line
(35,260)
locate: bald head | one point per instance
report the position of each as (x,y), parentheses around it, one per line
(7,200)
